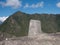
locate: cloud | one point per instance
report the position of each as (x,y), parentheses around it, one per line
(2,19)
(12,3)
(26,5)
(40,4)
(58,4)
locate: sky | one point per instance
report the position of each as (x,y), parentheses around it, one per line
(8,7)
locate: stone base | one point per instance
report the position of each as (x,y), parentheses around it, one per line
(42,39)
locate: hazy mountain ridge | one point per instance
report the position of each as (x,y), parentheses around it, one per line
(1,22)
(18,23)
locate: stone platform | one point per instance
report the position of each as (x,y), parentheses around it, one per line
(42,39)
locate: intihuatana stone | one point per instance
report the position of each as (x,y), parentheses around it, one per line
(34,28)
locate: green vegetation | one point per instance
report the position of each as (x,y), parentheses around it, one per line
(18,23)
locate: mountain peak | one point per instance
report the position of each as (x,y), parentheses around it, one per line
(19,12)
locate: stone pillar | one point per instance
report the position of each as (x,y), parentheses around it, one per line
(34,28)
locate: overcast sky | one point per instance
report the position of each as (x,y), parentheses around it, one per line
(8,7)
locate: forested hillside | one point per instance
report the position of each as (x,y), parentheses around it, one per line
(18,23)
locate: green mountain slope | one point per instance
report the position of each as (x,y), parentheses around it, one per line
(18,23)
